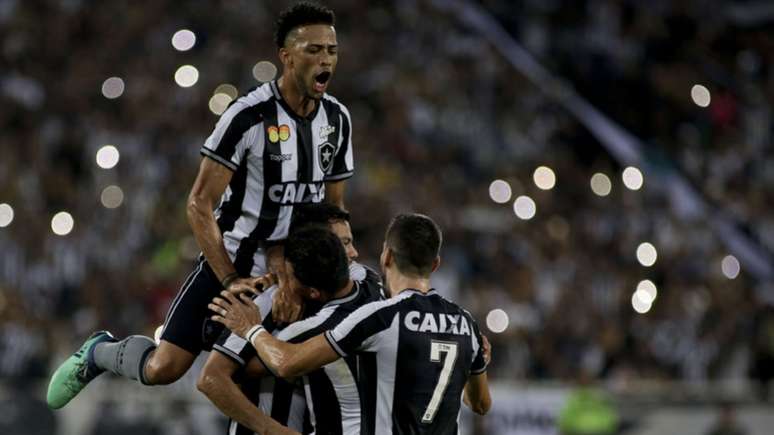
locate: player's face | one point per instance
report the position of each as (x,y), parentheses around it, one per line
(295,286)
(313,54)
(344,232)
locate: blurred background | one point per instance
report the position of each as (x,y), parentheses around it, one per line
(603,171)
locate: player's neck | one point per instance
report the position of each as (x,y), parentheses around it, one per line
(293,96)
(399,283)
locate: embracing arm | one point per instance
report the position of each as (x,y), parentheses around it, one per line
(477,394)
(289,360)
(217,383)
(334,193)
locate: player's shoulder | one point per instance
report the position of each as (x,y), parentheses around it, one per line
(367,278)
(250,104)
(330,99)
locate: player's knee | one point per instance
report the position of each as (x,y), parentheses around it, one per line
(162,370)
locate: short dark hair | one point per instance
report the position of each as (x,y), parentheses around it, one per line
(318,259)
(301,14)
(415,241)
(323,213)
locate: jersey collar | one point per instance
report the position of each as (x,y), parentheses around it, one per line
(413,291)
(276,91)
(344,299)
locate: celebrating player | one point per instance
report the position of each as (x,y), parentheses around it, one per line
(285,143)
(419,352)
(234,358)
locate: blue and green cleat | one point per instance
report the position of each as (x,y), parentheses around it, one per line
(76,372)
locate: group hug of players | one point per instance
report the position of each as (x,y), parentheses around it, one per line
(304,339)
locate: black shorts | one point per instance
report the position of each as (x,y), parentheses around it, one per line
(188,322)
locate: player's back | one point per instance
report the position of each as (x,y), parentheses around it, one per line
(417,352)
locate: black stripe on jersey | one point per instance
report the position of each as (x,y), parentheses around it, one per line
(281,400)
(305,147)
(366,385)
(272,174)
(376,322)
(242,121)
(232,209)
(326,405)
(340,164)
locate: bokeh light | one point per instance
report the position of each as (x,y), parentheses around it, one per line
(264,71)
(500,191)
(600,184)
(6,215)
(544,178)
(112,197)
(646,254)
(647,291)
(632,178)
(639,305)
(186,76)
(183,40)
(62,223)
(113,87)
(219,103)
(730,267)
(524,207)
(107,157)
(700,95)
(228,89)
(497,320)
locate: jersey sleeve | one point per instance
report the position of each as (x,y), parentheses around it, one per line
(343,161)
(479,364)
(237,348)
(360,331)
(230,140)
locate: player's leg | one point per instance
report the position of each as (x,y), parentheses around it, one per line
(137,357)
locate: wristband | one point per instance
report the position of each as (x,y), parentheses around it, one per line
(253,331)
(228,279)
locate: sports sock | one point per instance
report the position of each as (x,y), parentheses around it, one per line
(126,357)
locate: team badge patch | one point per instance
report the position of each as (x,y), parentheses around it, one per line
(325,156)
(284,132)
(273,134)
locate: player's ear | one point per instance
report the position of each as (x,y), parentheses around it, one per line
(314,294)
(285,57)
(436,263)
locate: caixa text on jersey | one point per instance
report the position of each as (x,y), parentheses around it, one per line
(296,193)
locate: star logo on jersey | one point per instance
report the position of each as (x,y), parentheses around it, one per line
(325,156)
(326,130)
(284,132)
(273,133)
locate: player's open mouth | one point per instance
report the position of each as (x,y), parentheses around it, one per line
(321,81)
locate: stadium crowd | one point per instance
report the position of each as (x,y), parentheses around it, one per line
(438,115)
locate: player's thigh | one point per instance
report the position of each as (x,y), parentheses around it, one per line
(188,324)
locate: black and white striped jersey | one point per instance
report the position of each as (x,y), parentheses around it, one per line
(332,392)
(416,353)
(279,159)
(281,400)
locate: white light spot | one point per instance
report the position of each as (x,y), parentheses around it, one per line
(62,223)
(219,103)
(107,157)
(700,95)
(112,197)
(524,207)
(544,178)
(264,71)
(113,87)
(500,191)
(730,267)
(157,334)
(632,178)
(6,215)
(646,254)
(639,305)
(497,320)
(647,291)
(183,40)
(600,184)
(227,89)
(186,76)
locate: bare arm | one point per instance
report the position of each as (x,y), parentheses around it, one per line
(286,360)
(334,193)
(477,396)
(216,382)
(211,182)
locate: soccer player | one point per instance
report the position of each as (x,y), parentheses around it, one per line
(419,352)
(234,360)
(285,143)
(317,268)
